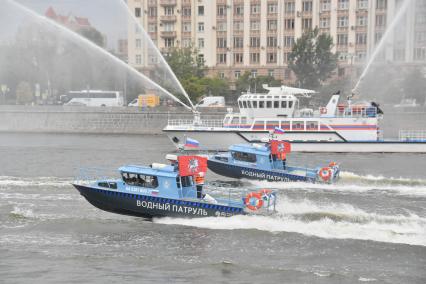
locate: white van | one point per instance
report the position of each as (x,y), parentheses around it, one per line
(212,102)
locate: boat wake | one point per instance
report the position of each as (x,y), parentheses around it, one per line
(351,182)
(330,221)
(8,181)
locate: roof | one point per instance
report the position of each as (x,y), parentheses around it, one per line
(251,148)
(50,13)
(167,171)
(287,90)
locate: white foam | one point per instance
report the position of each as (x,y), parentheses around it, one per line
(330,221)
(36,181)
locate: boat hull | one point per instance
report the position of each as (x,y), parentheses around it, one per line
(150,206)
(239,172)
(215,140)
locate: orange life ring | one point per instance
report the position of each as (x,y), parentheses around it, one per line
(323,110)
(325,173)
(259,202)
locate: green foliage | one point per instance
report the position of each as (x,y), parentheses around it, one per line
(24,93)
(93,35)
(246,82)
(185,63)
(311,58)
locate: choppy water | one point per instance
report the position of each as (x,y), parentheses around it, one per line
(370,227)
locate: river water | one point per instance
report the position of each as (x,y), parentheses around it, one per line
(370,227)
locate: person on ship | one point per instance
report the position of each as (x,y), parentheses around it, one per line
(199,183)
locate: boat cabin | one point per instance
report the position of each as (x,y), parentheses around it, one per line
(160,179)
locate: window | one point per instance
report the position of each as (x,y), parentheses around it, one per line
(253,73)
(307,6)
(169,11)
(186,27)
(272,57)
(361,38)
(342,39)
(152,11)
(288,41)
(186,42)
(221,75)
(343,22)
(325,5)
(419,54)
(221,42)
(138,43)
(221,58)
(289,7)
(255,25)
(272,8)
(169,42)
(138,59)
(137,12)
(237,74)
(254,103)
(380,20)
(272,25)
(361,21)
(261,104)
(244,157)
(238,10)
(343,4)
(201,27)
(362,4)
(307,24)
(238,58)
(238,42)
(152,28)
(221,26)
(140,180)
(284,103)
(271,41)
(255,42)
(255,9)
(255,57)
(377,37)
(186,11)
(200,10)
(360,56)
(169,27)
(381,4)
(289,24)
(324,23)
(221,10)
(238,26)
(201,43)
(271,72)
(268,104)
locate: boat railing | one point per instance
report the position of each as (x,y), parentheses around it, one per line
(356,111)
(190,122)
(412,135)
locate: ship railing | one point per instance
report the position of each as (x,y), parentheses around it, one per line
(190,122)
(92,174)
(412,135)
(356,111)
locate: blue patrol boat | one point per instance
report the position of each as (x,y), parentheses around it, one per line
(267,162)
(174,190)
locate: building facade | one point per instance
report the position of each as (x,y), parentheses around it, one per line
(235,36)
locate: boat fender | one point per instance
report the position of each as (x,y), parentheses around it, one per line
(325,173)
(258,203)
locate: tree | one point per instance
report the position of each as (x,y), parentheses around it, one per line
(93,35)
(247,82)
(311,58)
(185,63)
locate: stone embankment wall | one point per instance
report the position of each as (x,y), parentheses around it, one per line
(60,119)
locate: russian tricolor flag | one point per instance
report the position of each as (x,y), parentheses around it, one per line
(192,143)
(278,130)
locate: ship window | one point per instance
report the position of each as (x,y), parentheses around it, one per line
(298,125)
(235,120)
(290,104)
(243,120)
(244,157)
(276,104)
(254,104)
(186,181)
(261,104)
(312,125)
(269,97)
(245,104)
(240,104)
(285,125)
(140,180)
(268,104)
(178,182)
(284,104)
(272,124)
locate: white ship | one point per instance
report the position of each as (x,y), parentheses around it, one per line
(337,127)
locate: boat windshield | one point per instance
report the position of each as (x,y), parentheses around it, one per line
(140,180)
(244,157)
